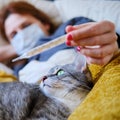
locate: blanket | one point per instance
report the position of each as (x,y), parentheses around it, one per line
(5,77)
(103,102)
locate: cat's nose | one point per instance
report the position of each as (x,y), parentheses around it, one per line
(44,78)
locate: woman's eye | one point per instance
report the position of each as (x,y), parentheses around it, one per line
(13,34)
(60,72)
(25,25)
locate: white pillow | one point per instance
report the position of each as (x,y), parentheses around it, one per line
(34,70)
(95,9)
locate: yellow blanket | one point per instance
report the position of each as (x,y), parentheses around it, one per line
(103,102)
(4,77)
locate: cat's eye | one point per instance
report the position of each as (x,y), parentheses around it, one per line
(60,72)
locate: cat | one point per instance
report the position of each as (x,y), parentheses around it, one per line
(55,98)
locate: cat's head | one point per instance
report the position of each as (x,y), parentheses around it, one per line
(63,79)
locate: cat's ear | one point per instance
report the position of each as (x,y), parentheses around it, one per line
(80,63)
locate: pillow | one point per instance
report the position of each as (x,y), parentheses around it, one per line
(40,69)
(96,10)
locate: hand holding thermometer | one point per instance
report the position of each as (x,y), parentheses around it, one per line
(41,48)
(44,47)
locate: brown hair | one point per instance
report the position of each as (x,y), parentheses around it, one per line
(21,7)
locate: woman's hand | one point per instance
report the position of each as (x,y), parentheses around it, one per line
(7,52)
(96,40)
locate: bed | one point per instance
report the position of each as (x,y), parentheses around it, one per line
(103,102)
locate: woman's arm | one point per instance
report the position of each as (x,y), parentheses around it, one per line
(7,52)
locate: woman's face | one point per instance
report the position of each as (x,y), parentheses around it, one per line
(16,22)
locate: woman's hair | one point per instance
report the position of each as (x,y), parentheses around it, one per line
(21,7)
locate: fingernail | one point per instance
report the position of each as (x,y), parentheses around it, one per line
(69,37)
(78,48)
(68,43)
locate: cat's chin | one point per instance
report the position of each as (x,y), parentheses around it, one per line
(46,89)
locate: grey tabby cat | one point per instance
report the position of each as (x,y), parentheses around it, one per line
(59,93)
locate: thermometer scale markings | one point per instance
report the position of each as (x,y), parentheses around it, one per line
(41,48)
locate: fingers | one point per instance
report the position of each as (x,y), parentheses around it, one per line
(102,39)
(101,34)
(101,61)
(100,55)
(101,51)
(90,29)
(70,28)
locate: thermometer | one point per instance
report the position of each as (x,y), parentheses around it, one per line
(41,48)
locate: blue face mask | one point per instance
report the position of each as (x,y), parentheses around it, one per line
(27,38)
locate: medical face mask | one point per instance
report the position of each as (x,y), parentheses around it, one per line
(27,38)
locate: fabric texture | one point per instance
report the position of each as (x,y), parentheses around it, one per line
(103,102)
(5,77)
(40,69)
